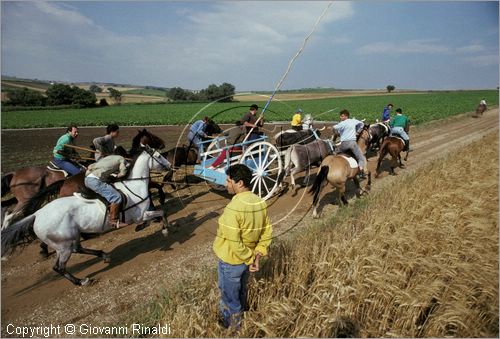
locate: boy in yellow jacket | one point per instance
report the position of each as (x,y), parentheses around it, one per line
(243,237)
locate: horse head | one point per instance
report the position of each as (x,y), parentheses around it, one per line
(145,137)
(212,128)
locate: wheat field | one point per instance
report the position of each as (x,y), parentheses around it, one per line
(416,258)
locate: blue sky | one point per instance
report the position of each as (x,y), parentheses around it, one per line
(361,44)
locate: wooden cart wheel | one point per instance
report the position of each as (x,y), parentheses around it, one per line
(265,162)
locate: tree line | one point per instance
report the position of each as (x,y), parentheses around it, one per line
(66,95)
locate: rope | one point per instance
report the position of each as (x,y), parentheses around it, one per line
(278,86)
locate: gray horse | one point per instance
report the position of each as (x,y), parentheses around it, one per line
(303,156)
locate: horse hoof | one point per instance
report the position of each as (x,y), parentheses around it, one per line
(164,232)
(85,281)
(107,258)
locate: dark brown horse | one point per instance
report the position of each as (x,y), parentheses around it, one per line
(393,146)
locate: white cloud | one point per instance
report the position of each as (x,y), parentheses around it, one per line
(53,40)
(483,60)
(474,48)
(420,46)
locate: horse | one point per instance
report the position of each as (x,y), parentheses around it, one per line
(394,146)
(285,139)
(26,182)
(60,222)
(303,156)
(378,131)
(336,170)
(481,108)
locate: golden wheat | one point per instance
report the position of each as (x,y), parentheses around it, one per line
(418,258)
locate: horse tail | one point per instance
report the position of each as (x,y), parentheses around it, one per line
(45,194)
(18,234)
(316,187)
(6,183)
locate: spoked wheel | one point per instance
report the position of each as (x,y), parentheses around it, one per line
(214,145)
(265,162)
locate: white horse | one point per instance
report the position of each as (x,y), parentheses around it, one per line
(60,222)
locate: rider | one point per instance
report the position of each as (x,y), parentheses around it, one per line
(62,154)
(297,120)
(348,130)
(249,120)
(386,114)
(400,125)
(197,131)
(106,145)
(97,177)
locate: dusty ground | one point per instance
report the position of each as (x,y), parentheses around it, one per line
(145,262)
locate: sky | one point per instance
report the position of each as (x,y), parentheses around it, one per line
(357,45)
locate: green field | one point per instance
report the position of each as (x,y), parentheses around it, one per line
(420,107)
(146,91)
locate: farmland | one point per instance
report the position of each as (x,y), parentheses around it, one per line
(420,107)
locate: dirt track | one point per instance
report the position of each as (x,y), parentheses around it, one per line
(144,262)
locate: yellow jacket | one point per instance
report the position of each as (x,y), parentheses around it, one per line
(297,120)
(244,229)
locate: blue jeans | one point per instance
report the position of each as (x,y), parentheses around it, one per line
(106,190)
(354,148)
(68,166)
(233,281)
(399,131)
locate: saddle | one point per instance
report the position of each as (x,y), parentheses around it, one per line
(53,167)
(350,159)
(88,194)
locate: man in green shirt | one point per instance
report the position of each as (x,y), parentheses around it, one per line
(243,236)
(62,154)
(400,125)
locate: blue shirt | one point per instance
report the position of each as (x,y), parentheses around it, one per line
(197,130)
(348,129)
(386,114)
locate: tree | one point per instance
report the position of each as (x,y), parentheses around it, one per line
(103,102)
(26,97)
(83,98)
(95,89)
(390,88)
(227,91)
(178,94)
(59,94)
(116,95)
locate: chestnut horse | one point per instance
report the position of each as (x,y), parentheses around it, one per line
(393,146)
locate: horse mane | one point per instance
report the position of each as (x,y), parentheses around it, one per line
(155,141)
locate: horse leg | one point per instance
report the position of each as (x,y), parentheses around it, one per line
(343,198)
(98,253)
(161,194)
(401,165)
(358,186)
(60,267)
(406,156)
(315,206)
(44,250)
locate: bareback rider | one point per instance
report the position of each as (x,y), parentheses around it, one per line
(97,178)
(197,132)
(348,130)
(63,154)
(400,125)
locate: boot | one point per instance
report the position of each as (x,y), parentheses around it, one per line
(407,146)
(114,214)
(362,174)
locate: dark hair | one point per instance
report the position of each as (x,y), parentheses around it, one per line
(70,128)
(254,106)
(399,110)
(345,112)
(112,128)
(390,105)
(240,172)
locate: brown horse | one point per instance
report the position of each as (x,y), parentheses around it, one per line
(336,170)
(393,146)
